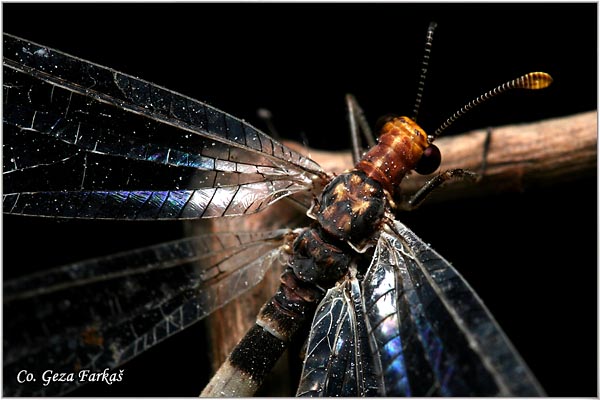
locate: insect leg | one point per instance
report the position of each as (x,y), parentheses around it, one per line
(430,186)
(417,199)
(358,122)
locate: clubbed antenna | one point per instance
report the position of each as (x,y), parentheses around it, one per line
(532,80)
(424,67)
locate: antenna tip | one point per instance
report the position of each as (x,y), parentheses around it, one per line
(536,80)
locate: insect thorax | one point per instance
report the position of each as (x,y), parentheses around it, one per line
(351,207)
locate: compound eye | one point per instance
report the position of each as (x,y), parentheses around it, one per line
(384,120)
(430,160)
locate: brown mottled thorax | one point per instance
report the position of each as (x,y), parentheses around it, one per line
(401,145)
(350,207)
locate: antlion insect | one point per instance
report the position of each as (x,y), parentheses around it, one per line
(389,315)
(354,212)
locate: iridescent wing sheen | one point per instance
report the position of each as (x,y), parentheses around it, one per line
(430,334)
(338,360)
(102,312)
(85,141)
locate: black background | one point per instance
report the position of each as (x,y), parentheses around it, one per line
(531,256)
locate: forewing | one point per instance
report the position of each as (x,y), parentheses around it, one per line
(338,359)
(432,333)
(100,313)
(85,141)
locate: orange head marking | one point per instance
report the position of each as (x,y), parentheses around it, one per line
(402,143)
(404,129)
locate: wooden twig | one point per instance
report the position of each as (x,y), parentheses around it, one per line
(519,157)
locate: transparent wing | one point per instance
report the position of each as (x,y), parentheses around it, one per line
(85,141)
(432,333)
(338,359)
(100,313)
